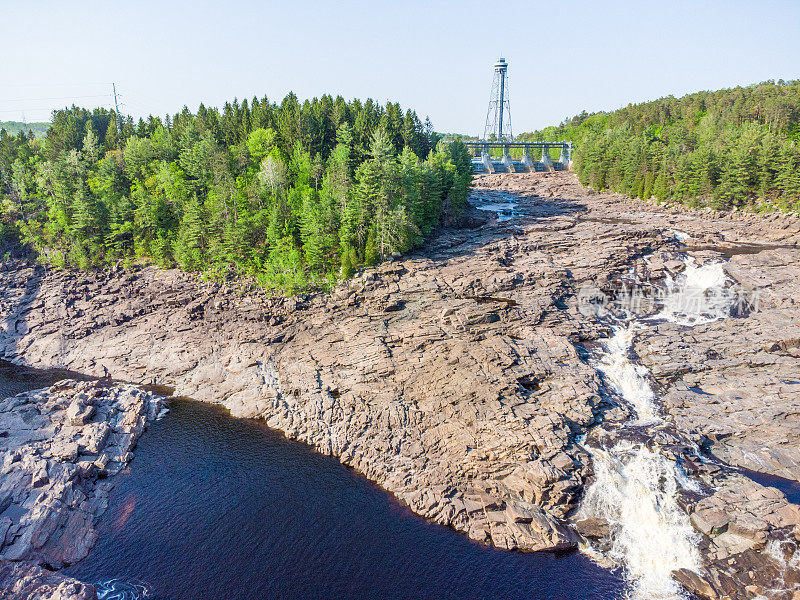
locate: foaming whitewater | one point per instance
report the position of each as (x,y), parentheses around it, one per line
(636,493)
(121,589)
(636,487)
(698,295)
(627,379)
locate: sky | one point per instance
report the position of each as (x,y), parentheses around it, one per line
(433,56)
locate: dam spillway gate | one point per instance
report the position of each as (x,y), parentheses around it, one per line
(519,157)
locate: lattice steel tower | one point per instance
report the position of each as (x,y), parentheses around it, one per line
(498,117)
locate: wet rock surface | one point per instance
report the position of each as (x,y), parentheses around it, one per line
(58,448)
(454,377)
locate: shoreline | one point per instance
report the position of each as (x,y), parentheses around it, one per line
(61,447)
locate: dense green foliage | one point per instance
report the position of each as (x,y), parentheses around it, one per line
(735,147)
(293,194)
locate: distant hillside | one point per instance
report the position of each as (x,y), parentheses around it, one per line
(731,147)
(14,127)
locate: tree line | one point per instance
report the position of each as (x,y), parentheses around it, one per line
(736,147)
(293,194)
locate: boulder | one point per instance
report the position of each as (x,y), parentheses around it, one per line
(79,413)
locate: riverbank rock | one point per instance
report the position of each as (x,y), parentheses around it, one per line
(749,540)
(29,581)
(56,448)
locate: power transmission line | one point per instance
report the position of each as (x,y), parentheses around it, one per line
(49,109)
(143,108)
(27,109)
(118,117)
(57,98)
(49,84)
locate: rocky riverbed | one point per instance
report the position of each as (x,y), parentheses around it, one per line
(58,448)
(457,378)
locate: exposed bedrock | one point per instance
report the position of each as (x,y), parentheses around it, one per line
(58,446)
(29,581)
(737,382)
(450,377)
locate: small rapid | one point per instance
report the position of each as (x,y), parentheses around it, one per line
(698,295)
(637,486)
(120,589)
(625,378)
(502,204)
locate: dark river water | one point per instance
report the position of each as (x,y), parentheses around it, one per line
(216,508)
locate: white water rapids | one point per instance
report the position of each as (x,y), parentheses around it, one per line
(636,486)
(636,492)
(698,295)
(626,379)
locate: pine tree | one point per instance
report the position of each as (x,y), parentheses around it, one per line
(347,266)
(87,229)
(111,133)
(191,243)
(91,146)
(371,249)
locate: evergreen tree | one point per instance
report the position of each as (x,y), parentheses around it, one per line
(719,148)
(291,194)
(191,242)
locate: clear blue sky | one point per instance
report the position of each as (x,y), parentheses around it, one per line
(432,56)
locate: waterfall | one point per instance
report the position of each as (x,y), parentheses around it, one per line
(698,295)
(636,492)
(636,487)
(626,379)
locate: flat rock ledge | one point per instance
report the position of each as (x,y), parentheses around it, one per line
(58,447)
(750,534)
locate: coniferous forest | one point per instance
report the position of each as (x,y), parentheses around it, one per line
(735,147)
(299,195)
(295,195)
